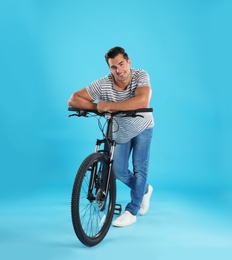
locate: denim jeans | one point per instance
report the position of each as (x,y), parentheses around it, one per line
(136,180)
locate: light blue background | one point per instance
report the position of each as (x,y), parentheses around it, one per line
(49,49)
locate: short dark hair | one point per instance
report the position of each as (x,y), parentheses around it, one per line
(112,53)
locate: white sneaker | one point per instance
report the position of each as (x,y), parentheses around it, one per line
(146,201)
(124,220)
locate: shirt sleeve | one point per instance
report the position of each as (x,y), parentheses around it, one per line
(143,79)
(94,89)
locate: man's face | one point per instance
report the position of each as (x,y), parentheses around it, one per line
(120,68)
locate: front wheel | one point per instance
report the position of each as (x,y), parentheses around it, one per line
(92,210)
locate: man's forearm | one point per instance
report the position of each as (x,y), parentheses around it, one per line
(81,103)
(129,104)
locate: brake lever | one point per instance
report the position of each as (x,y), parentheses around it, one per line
(72,115)
(132,114)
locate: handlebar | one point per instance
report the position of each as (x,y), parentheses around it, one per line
(126,113)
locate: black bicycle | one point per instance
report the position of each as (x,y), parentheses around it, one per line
(94,190)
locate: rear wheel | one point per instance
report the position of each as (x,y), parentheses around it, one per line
(92,211)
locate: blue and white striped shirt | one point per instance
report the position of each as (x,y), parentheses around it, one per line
(124,128)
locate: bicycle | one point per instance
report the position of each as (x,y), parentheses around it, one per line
(93,202)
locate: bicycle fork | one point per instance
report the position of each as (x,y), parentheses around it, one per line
(109,146)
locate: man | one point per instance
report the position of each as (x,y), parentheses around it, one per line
(125,89)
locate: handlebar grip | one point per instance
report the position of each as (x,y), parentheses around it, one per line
(141,110)
(73,109)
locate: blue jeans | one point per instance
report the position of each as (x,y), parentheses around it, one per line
(139,146)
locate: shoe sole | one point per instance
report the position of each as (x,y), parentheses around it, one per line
(123,225)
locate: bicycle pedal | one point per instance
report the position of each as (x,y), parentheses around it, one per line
(117,209)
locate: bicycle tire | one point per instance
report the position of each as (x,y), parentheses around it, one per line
(90,221)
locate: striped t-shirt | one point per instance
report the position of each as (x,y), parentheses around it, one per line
(124,128)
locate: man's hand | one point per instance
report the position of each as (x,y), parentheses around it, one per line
(104,106)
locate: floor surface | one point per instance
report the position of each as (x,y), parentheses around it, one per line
(179,225)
